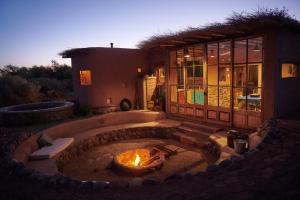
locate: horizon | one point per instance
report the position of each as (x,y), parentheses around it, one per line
(33,32)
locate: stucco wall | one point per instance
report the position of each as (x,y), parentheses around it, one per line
(114,74)
(270,61)
(288,90)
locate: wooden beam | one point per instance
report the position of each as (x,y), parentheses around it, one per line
(178,41)
(217,34)
(190,39)
(166,45)
(202,36)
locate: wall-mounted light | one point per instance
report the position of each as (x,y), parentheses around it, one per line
(139,69)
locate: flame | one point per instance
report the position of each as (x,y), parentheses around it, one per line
(137,160)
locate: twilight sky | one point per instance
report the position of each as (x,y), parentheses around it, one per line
(33,32)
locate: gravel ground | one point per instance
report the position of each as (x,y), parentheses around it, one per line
(272,173)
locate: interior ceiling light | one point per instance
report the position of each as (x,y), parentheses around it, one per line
(212,52)
(186,53)
(256,48)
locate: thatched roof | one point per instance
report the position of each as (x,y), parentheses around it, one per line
(239,24)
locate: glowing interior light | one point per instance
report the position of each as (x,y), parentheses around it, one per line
(137,160)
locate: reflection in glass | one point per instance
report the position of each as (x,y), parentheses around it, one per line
(173,91)
(212,95)
(239,98)
(189,75)
(239,76)
(255,50)
(199,95)
(224,97)
(254,99)
(190,94)
(224,75)
(212,75)
(240,51)
(254,75)
(212,54)
(180,93)
(224,52)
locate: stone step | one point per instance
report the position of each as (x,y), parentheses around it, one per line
(196,124)
(202,126)
(190,138)
(194,131)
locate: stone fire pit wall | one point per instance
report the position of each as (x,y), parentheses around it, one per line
(132,133)
(112,136)
(34,113)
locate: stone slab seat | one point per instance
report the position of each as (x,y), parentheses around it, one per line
(47,152)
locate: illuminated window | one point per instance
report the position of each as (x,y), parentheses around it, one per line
(247,74)
(85,77)
(288,70)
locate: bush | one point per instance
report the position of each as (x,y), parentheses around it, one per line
(16,90)
(38,83)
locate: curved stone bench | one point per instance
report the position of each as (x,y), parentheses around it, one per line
(75,127)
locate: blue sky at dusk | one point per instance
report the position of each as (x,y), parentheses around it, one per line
(35,31)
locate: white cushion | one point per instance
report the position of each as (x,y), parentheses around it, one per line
(49,151)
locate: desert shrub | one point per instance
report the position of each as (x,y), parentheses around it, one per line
(47,82)
(16,90)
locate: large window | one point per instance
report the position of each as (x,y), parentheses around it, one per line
(247,74)
(187,76)
(223,76)
(219,74)
(85,77)
(194,75)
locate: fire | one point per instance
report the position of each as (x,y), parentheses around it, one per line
(137,160)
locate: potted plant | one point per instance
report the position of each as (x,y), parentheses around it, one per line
(233,135)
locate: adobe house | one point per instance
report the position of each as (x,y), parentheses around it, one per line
(238,73)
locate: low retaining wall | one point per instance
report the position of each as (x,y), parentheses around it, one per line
(34,113)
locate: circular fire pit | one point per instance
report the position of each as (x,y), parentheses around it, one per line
(139,161)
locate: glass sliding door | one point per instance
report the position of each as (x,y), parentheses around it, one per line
(247,82)
(187,80)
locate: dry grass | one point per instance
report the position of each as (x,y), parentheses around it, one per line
(260,19)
